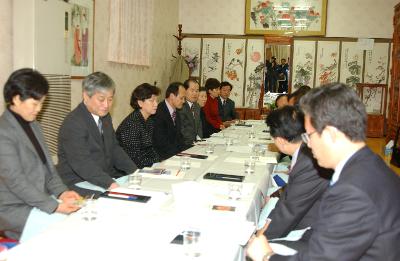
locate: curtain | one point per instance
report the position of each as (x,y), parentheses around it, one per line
(280,52)
(131,26)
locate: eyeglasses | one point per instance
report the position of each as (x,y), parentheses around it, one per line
(306,136)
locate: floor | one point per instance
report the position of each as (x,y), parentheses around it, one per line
(376,145)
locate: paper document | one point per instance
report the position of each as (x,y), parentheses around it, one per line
(294,235)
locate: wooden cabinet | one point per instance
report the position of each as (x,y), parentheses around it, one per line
(394,103)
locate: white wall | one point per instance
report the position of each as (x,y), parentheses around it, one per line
(6,62)
(345,18)
(127,77)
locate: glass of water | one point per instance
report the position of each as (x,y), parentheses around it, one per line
(249,166)
(185,163)
(192,242)
(135,181)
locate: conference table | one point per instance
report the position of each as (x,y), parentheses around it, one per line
(125,230)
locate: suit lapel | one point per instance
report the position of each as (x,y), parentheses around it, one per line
(92,125)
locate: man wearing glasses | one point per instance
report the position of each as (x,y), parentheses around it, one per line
(359,217)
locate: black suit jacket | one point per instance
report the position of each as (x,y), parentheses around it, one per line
(298,206)
(84,155)
(167,137)
(359,216)
(227,112)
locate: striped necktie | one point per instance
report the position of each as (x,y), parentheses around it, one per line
(173,116)
(100,126)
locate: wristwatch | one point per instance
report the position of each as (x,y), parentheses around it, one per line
(268,255)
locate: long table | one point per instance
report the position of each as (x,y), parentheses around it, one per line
(143,231)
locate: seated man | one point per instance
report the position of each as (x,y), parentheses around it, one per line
(87,147)
(191,126)
(167,136)
(298,206)
(359,217)
(226,106)
(281,101)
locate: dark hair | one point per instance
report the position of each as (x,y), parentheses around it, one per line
(173,88)
(143,92)
(280,96)
(300,92)
(27,83)
(336,105)
(202,89)
(226,84)
(286,122)
(187,83)
(212,84)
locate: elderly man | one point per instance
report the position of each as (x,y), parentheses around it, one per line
(167,136)
(87,147)
(191,126)
(359,217)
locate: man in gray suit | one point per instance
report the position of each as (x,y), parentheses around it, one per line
(191,127)
(87,147)
(359,216)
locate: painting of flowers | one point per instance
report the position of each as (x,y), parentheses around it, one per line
(254,72)
(286,17)
(303,64)
(234,61)
(327,70)
(376,64)
(191,53)
(352,59)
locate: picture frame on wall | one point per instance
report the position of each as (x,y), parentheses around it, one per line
(282,17)
(81,37)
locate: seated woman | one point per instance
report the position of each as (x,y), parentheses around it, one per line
(208,129)
(29,183)
(136,130)
(210,109)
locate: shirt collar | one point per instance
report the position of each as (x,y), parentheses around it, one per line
(190,104)
(222,99)
(339,168)
(294,157)
(96,118)
(170,109)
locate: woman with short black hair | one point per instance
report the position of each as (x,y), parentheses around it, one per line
(29,184)
(136,130)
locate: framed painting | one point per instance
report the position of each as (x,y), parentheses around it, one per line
(283,17)
(81,32)
(327,70)
(191,48)
(211,60)
(234,62)
(352,64)
(254,72)
(376,64)
(303,62)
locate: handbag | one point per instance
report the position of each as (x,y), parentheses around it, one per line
(395,160)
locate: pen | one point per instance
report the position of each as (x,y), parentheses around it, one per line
(122,196)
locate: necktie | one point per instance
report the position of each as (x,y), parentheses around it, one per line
(192,109)
(223,103)
(173,115)
(100,126)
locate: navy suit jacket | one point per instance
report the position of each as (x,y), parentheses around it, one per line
(167,136)
(359,216)
(227,112)
(298,206)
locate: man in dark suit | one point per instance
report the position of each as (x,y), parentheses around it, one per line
(167,136)
(191,126)
(87,147)
(298,206)
(359,217)
(226,106)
